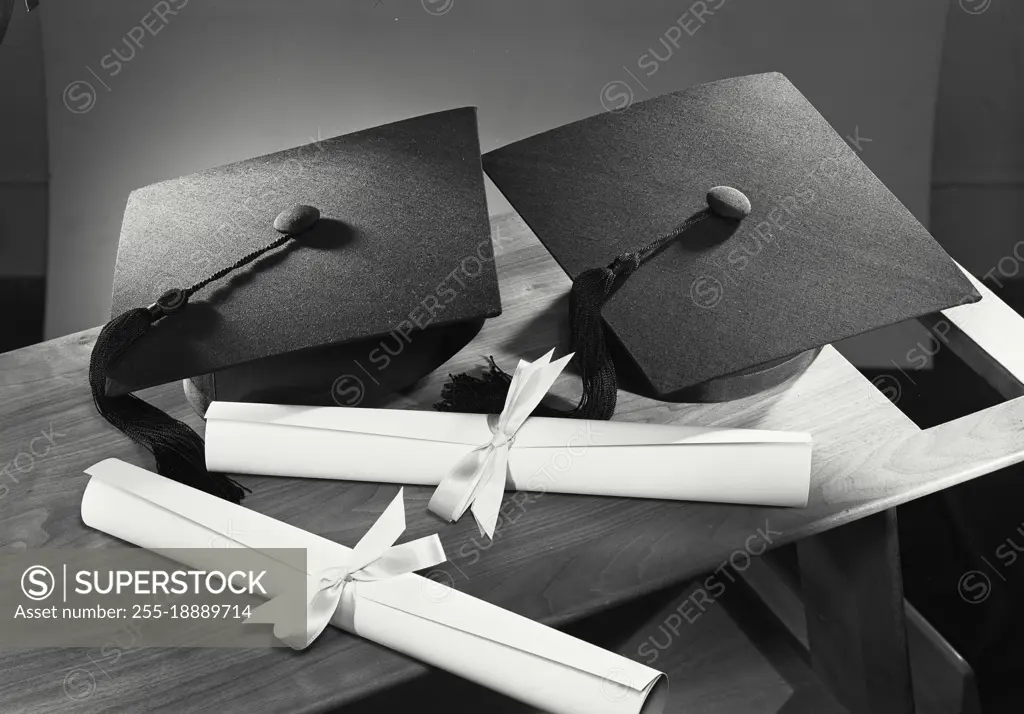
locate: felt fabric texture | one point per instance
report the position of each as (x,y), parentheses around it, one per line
(827,252)
(403,245)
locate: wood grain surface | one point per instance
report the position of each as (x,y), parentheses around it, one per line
(555,558)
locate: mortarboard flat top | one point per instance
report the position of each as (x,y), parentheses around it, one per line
(827,252)
(402,208)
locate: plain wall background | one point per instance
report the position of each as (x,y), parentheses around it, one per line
(225,80)
(23,161)
(23,182)
(978,176)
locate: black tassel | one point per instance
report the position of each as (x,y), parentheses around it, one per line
(178,450)
(590,291)
(476,395)
(486,394)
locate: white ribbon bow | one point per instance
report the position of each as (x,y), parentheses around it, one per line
(375,557)
(478,481)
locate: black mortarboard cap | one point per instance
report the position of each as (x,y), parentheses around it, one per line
(342,269)
(802,244)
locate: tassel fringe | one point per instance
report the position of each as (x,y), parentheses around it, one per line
(178,450)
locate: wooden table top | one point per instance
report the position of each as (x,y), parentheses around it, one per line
(555,558)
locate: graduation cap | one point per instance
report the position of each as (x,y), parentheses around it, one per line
(335,272)
(717,237)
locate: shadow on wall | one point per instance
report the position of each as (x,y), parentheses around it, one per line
(23,177)
(21,311)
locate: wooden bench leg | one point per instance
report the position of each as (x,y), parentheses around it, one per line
(853,593)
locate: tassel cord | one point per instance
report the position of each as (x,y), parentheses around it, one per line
(178,450)
(590,291)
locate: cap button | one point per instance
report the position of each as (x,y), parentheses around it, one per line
(296,219)
(729,202)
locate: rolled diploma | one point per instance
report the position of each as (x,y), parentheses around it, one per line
(605,458)
(420,618)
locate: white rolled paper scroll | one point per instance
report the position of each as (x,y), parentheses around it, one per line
(418,617)
(473,457)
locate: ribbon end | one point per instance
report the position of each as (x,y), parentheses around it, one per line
(271,613)
(486,518)
(296,623)
(447,517)
(486,528)
(559,364)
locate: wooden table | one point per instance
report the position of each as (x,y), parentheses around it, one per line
(555,558)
